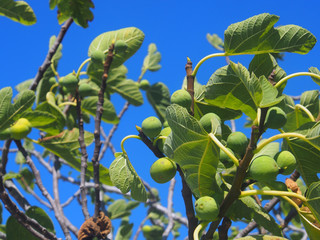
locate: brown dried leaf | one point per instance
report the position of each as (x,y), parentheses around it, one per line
(293,186)
(99,227)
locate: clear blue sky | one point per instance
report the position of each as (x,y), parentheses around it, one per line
(179,30)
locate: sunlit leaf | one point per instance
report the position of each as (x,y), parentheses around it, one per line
(151,61)
(215,41)
(313,196)
(315,71)
(310,100)
(18,11)
(262,64)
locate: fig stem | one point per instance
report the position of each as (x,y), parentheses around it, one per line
(298,74)
(306,110)
(289,200)
(157,138)
(279,136)
(198,229)
(195,70)
(67,103)
(223,148)
(272,193)
(81,66)
(126,138)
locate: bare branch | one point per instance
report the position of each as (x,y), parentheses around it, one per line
(140,228)
(170,204)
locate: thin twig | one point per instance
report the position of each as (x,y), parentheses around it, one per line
(170,204)
(99,111)
(52,51)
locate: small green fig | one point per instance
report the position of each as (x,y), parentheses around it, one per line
(225,159)
(151,127)
(164,132)
(238,142)
(97,56)
(153,232)
(264,169)
(163,170)
(206,208)
(144,84)
(120,46)
(165,124)
(211,122)
(276,118)
(182,98)
(86,90)
(20,129)
(70,81)
(286,162)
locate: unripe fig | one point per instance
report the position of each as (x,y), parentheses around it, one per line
(182,98)
(164,132)
(153,232)
(20,129)
(120,46)
(97,56)
(86,90)
(151,127)
(5,134)
(264,169)
(238,142)
(206,208)
(165,124)
(211,122)
(163,170)
(276,118)
(225,159)
(52,81)
(70,81)
(286,162)
(144,84)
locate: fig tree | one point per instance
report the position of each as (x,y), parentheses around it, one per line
(163,170)
(238,142)
(182,98)
(206,208)
(70,81)
(225,159)
(151,127)
(276,118)
(120,46)
(286,162)
(20,129)
(144,84)
(97,56)
(211,122)
(264,169)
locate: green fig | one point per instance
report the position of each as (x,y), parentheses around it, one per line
(238,142)
(275,118)
(164,132)
(144,84)
(206,208)
(182,98)
(211,122)
(20,129)
(163,170)
(120,46)
(70,81)
(86,90)
(151,127)
(97,56)
(264,169)
(286,162)
(153,232)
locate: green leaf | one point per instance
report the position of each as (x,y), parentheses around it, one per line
(79,10)
(310,99)
(193,150)
(262,65)
(53,4)
(26,178)
(159,97)
(39,119)
(233,87)
(256,35)
(124,231)
(247,208)
(313,196)
(270,149)
(215,41)
(24,85)
(18,11)
(109,114)
(151,61)
(5,107)
(132,36)
(312,230)
(15,230)
(120,209)
(315,71)
(124,177)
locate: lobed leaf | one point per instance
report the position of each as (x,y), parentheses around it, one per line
(19,11)
(151,61)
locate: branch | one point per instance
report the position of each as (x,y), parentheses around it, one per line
(170,204)
(223,229)
(52,51)
(99,111)
(140,228)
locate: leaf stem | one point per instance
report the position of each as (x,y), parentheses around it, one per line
(195,70)
(272,193)
(81,66)
(67,103)
(306,110)
(279,136)
(223,148)
(285,79)
(196,232)
(126,138)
